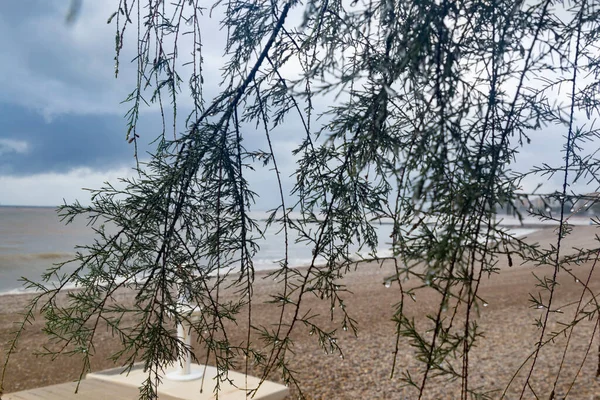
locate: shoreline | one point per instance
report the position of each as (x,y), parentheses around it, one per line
(262,265)
(34,260)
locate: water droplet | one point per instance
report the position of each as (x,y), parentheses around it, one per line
(572,210)
(558,310)
(345,328)
(342,356)
(576,280)
(189,21)
(390,92)
(387,284)
(332,308)
(427,282)
(548,209)
(530,209)
(485,304)
(539,306)
(413,297)
(311,333)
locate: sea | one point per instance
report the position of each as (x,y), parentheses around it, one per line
(33,239)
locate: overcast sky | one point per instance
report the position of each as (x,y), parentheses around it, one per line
(62,125)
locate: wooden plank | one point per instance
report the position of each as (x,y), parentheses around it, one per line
(89,389)
(24,395)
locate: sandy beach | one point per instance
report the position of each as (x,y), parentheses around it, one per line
(507,322)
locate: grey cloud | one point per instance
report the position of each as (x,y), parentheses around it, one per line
(57,68)
(65,142)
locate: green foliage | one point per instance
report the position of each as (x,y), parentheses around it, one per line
(431,103)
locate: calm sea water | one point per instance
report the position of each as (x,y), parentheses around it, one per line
(32,239)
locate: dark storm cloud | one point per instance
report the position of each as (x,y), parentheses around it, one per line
(56,68)
(60,112)
(64,142)
(60,102)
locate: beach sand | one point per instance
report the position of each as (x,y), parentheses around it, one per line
(507,323)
